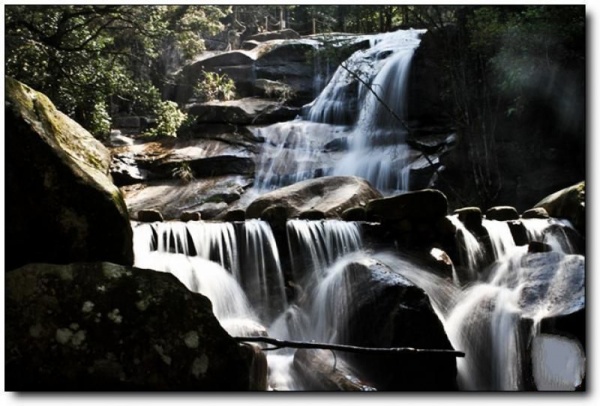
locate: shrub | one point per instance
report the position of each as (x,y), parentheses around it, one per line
(214,87)
(168,119)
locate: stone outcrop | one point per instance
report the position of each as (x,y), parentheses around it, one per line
(101,326)
(568,203)
(331,195)
(61,204)
(246,111)
(209,197)
(386,310)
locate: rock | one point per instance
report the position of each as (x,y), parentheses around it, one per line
(518,231)
(185,159)
(273,89)
(311,215)
(536,213)
(172,197)
(271,35)
(250,44)
(354,214)
(211,210)
(427,204)
(471,217)
(61,204)
(537,246)
(149,216)
(190,216)
(235,215)
(101,326)
(568,203)
(290,62)
(330,195)
(246,111)
(502,213)
(386,310)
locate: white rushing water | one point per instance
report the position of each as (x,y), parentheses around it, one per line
(354,118)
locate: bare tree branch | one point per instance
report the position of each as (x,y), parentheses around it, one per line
(277,344)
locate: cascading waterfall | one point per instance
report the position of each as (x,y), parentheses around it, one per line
(470,250)
(250,255)
(500,237)
(348,115)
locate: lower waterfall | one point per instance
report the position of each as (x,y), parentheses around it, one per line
(494,316)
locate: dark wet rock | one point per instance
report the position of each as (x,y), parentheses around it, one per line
(173,197)
(502,213)
(537,246)
(234,215)
(61,204)
(424,204)
(387,310)
(536,213)
(568,203)
(518,231)
(354,214)
(149,216)
(330,195)
(471,217)
(190,216)
(311,215)
(101,326)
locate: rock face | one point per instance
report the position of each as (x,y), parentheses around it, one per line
(249,110)
(61,205)
(101,326)
(387,310)
(172,158)
(172,198)
(330,195)
(568,203)
(285,60)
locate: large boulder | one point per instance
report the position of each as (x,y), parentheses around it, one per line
(172,198)
(423,204)
(331,195)
(568,203)
(101,326)
(387,310)
(61,204)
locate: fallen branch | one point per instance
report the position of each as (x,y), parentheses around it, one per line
(277,344)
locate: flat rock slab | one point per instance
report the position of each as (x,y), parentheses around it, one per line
(164,159)
(172,198)
(249,110)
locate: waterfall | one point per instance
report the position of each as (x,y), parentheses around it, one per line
(314,245)
(500,237)
(249,254)
(347,115)
(470,250)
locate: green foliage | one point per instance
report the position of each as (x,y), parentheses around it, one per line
(168,119)
(99,123)
(80,55)
(279,91)
(183,172)
(214,87)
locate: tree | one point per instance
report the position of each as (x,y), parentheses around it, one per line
(89,57)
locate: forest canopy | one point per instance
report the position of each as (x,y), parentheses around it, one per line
(93,60)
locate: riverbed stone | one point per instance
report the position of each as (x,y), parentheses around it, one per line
(568,203)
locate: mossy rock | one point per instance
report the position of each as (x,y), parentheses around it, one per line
(101,326)
(61,204)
